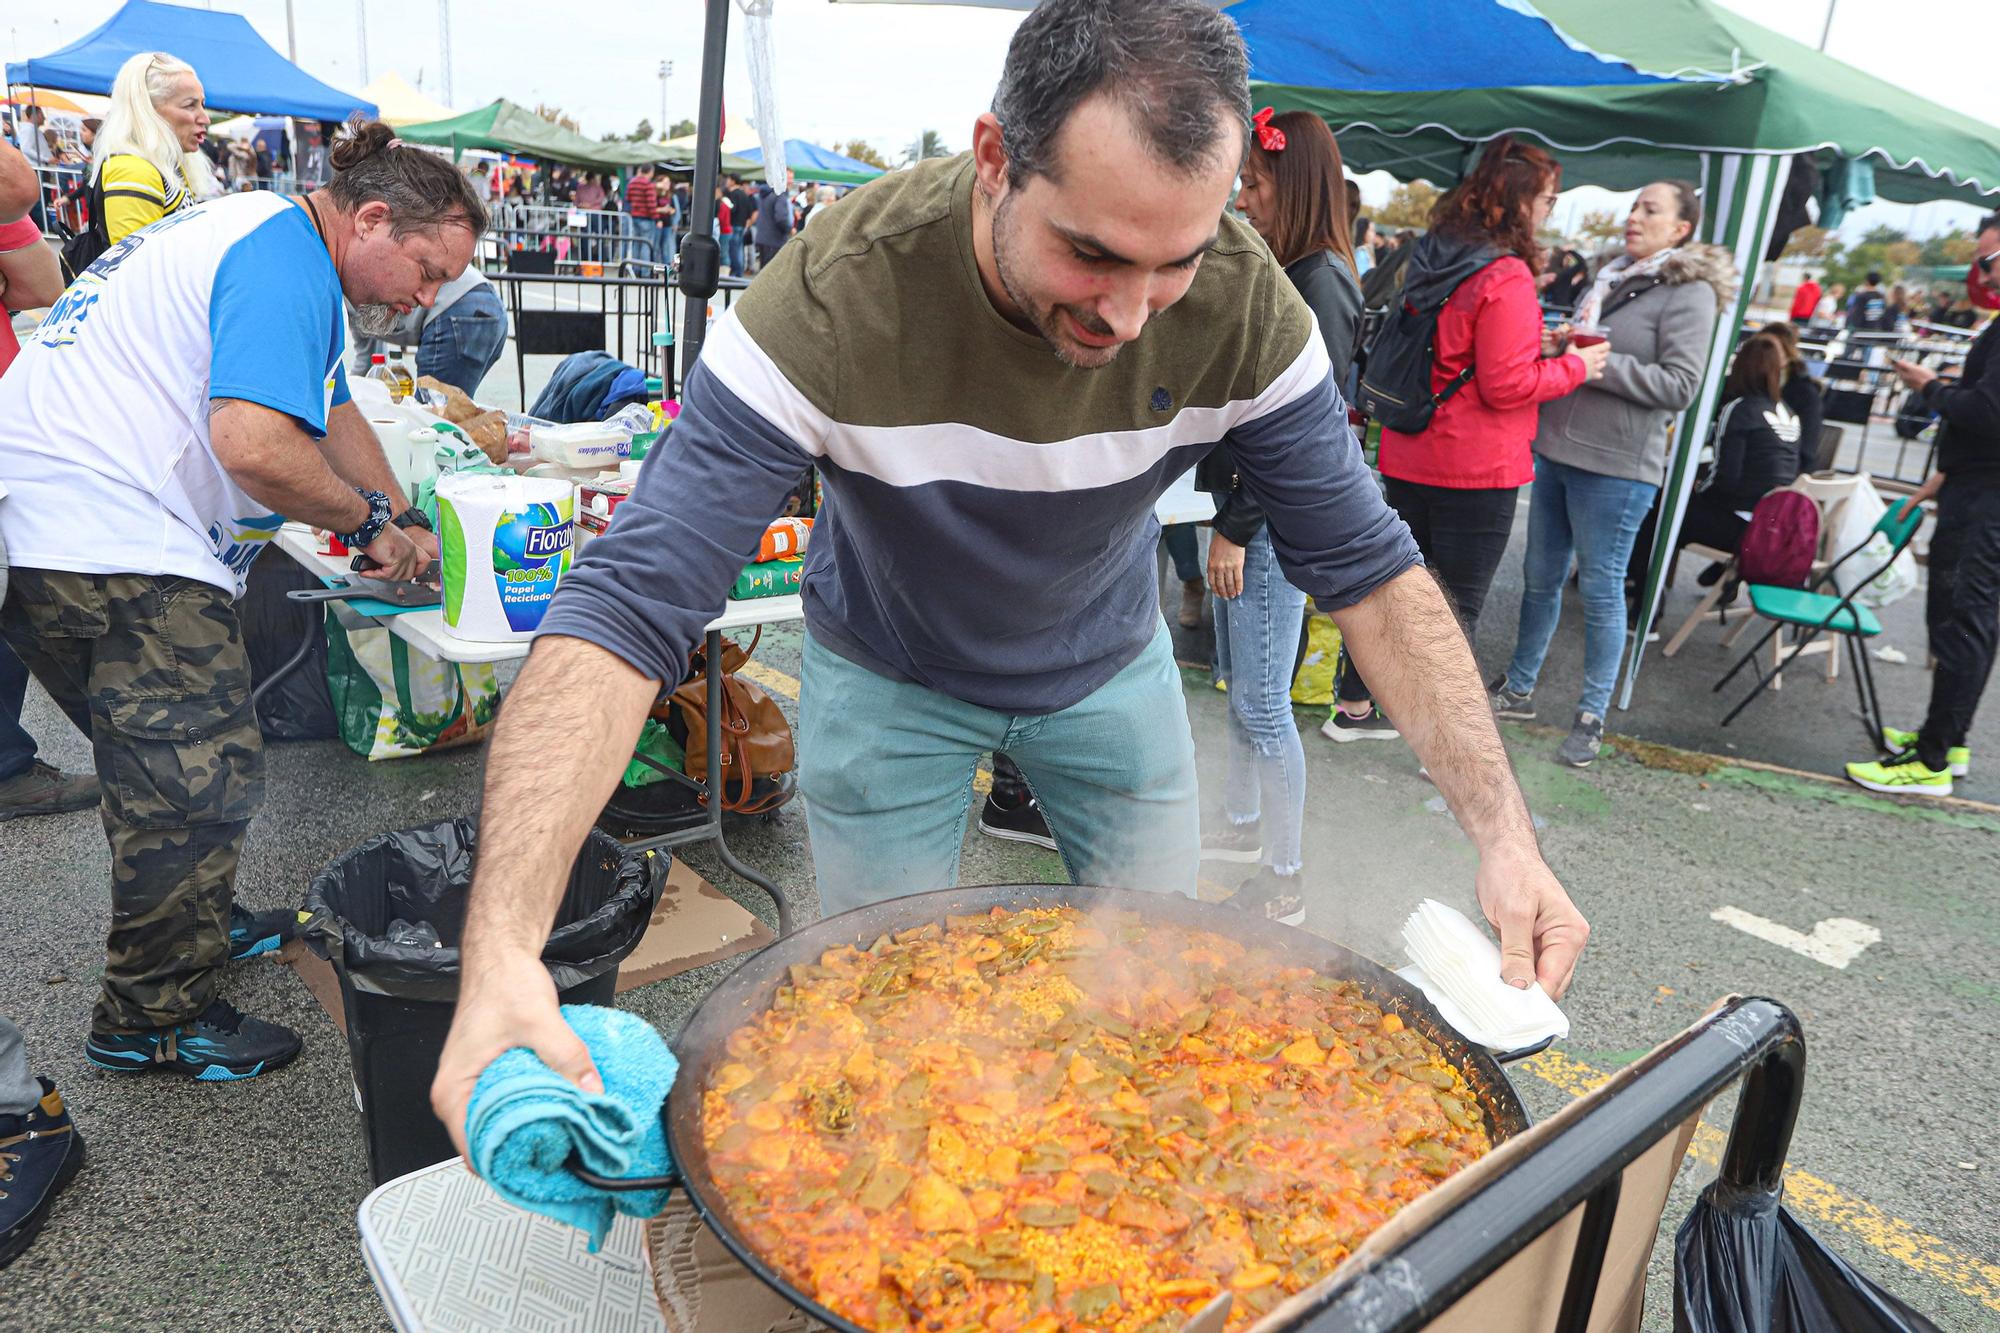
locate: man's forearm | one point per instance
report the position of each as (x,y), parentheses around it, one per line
(351,449)
(266,453)
(563,739)
(1420,670)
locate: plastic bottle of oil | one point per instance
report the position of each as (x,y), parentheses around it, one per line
(402,383)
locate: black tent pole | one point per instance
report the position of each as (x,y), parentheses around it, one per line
(701,257)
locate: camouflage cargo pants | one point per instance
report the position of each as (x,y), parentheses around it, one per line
(153,669)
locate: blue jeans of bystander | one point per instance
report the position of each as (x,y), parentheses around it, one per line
(1256,640)
(1594,518)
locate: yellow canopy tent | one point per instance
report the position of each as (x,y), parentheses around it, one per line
(400,104)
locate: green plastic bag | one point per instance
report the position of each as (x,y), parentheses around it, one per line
(659,745)
(1314,683)
(393,701)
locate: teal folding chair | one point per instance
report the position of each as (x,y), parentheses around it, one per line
(1819,613)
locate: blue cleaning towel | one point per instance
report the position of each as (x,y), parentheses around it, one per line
(525,1120)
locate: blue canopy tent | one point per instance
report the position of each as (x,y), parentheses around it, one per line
(239,70)
(810,162)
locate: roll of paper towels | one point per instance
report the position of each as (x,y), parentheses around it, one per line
(505,544)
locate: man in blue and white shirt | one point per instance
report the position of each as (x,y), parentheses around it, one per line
(181,400)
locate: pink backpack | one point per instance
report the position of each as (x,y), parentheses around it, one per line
(1782,539)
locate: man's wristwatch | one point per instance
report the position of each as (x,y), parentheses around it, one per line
(379,517)
(414,517)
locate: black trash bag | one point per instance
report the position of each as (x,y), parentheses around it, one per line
(299,707)
(421,875)
(1742,1264)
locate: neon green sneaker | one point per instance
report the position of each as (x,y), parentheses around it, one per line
(1904,775)
(1958,758)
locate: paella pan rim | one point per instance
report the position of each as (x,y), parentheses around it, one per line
(746,992)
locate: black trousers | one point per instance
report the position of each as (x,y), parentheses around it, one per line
(1463,535)
(1962,608)
(1712,521)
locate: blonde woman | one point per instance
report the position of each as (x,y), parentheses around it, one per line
(147,160)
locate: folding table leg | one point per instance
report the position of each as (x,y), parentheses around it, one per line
(713,647)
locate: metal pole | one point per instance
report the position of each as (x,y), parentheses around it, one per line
(444,47)
(701,259)
(361,35)
(291,36)
(1827,30)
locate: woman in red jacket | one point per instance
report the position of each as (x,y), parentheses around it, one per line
(1455,483)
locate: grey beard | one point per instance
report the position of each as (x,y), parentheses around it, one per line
(374,321)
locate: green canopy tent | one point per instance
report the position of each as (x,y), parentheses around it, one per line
(1763,100)
(506,127)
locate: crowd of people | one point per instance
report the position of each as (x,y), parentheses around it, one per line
(753,220)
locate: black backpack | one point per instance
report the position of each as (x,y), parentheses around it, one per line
(82,249)
(1396,383)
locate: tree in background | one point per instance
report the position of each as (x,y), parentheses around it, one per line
(681,129)
(1807,243)
(641,134)
(928,144)
(555,113)
(1883,250)
(1599,226)
(1954,247)
(1409,205)
(862,151)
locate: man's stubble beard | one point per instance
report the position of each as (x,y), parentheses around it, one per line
(374,321)
(1042,321)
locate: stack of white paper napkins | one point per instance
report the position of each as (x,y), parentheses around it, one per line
(1454,963)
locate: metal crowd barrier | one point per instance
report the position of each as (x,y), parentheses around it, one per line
(571,248)
(623,313)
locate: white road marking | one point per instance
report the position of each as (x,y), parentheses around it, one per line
(1836,941)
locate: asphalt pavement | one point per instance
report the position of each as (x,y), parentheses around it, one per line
(233,1206)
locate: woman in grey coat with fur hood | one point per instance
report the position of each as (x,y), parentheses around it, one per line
(1601,453)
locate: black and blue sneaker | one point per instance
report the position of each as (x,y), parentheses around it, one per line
(254,933)
(40,1153)
(221,1046)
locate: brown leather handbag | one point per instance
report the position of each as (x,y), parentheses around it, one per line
(756,739)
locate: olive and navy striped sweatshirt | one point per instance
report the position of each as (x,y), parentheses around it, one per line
(988,526)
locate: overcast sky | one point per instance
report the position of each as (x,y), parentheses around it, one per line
(887,72)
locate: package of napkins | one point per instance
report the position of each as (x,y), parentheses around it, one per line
(1454,963)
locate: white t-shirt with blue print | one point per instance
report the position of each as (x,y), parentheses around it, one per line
(104,445)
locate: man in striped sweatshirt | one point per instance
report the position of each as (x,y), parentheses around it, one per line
(997,362)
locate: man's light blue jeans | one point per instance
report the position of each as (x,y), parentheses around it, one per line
(1593,517)
(886,770)
(1256,642)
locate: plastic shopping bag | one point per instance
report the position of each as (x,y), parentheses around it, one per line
(1314,683)
(393,701)
(1858,517)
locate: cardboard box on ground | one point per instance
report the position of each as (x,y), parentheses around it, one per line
(694,923)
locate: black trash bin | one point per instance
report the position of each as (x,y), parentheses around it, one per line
(398,997)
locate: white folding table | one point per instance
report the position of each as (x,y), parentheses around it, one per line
(424,629)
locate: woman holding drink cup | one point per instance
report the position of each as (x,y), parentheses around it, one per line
(1601,453)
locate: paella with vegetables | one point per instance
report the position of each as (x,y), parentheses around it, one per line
(1044,1119)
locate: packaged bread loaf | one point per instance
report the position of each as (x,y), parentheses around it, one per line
(488,430)
(458,409)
